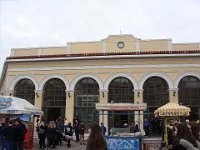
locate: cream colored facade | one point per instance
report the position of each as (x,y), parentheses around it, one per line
(43,64)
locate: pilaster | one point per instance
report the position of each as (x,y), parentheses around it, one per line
(69,112)
(138,98)
(173,95)
(9,92)
(103,95)
(38,99)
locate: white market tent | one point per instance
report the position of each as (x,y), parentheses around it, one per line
(14,105)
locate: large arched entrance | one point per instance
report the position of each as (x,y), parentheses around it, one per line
(25,89)
(155,94)
(86,95)
(189,95)
(54,99)
(120,91)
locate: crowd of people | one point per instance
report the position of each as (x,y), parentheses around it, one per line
(12,134)
(183,136)
(62,130)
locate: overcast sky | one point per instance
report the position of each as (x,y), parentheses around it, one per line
(40,23)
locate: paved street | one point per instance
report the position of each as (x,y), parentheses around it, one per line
(74,146)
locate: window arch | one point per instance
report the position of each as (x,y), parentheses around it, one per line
(54,99)
(86,95)
(189,94)
(25,89)
(121,91)
(155,92)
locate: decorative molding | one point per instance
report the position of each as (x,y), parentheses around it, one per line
(161,75)
(48,77)
(116,75)
(105,67)
(20,77)
(82,76)
(182,75)
(107,56)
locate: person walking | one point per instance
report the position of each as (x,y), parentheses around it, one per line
(103,129)
(2,129)
(42,132)
(68,132)
(81,132)
(9,133)
(19,135)
(96,140)
(184,140)
(146,127)
(76,130)
(51,134)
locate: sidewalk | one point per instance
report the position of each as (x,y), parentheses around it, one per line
(74,145)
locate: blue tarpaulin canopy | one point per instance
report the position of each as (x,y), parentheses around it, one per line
(14,105)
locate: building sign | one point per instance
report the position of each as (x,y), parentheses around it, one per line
(121,106)
(122,143)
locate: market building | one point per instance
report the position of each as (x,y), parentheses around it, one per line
(69,80)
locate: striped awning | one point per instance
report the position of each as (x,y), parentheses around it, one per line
(172,109)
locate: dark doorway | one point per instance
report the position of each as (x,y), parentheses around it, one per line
(117,119)
(53,114)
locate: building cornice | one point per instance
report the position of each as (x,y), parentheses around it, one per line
(96,56)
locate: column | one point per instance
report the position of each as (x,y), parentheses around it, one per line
(69,112)
(38,99)
(173,95)
(103,95)
(138,98)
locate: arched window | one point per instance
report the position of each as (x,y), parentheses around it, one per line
(189,95)
(25,89)
(121,91)
(86,95)
(54,99)
(155,92)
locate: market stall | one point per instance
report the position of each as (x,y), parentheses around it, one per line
(123,139)
(13,107)
(171,112)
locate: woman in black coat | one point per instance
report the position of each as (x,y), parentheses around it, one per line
(51,134)
(42,132)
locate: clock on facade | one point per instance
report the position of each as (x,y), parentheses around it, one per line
(120,44)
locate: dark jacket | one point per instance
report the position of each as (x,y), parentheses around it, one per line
(186,145)
(81,129)
(51,133)
(42,131)
(9,132)
(20,131)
